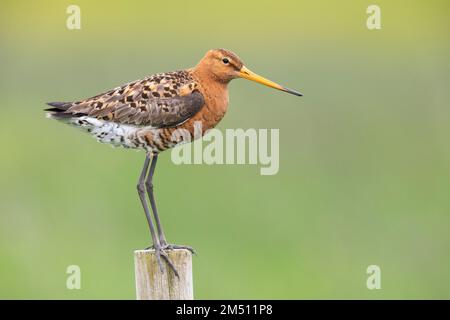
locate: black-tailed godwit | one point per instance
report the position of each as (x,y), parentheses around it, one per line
(144,114)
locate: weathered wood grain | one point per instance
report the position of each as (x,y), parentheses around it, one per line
(152,284)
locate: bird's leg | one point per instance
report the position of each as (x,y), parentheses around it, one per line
(149,186)
(156,244)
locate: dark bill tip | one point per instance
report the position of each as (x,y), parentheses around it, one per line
(296,93)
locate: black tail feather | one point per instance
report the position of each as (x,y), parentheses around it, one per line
(59,110)
(59,106)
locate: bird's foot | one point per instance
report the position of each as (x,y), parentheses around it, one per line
(168,246)
(160,251)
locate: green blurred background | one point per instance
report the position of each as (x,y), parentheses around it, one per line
(364,156)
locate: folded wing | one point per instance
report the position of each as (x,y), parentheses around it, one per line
(160,100)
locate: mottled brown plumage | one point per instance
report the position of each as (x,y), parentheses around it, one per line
(145,114)
(159,100)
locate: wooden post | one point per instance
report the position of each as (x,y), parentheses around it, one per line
(152,284)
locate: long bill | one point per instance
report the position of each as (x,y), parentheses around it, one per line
(250,75)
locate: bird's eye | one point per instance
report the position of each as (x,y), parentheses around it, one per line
(225,60)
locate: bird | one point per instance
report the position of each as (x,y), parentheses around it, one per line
(144,115)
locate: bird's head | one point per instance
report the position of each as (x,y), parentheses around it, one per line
(223,66)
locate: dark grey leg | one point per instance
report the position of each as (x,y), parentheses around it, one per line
(156,244)
(149,186)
